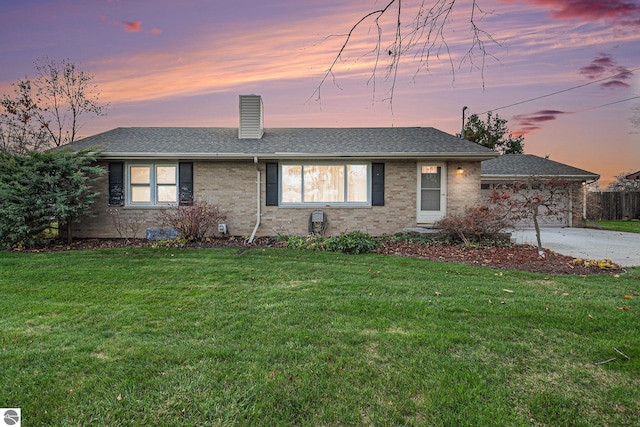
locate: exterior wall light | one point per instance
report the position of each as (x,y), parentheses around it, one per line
(459,171)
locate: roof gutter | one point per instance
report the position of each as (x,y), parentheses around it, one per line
(494,177)
(275,156)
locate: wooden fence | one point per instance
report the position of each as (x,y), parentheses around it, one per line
(612,205)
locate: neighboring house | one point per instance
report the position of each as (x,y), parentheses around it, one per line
(511,168)
(283,181)
(633,176)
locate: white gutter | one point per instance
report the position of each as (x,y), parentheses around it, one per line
(258,212)
(495,177)
(281,156)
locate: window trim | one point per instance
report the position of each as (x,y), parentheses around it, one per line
(302,203)
(153,184)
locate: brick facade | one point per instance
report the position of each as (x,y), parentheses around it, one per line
(463,189)
(232,187)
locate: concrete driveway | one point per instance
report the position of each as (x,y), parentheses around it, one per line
(621,248)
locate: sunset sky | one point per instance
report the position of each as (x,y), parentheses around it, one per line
(565,73)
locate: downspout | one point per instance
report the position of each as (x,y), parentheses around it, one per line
(258,213)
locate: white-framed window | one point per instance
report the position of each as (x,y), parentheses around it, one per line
(325,184)
(151,184)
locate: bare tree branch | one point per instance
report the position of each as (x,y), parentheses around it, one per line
(64,94)
(338,58)
(423,38)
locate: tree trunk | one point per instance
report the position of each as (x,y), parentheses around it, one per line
(537,227)
(69,232)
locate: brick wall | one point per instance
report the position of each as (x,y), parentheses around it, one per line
(577,205)
(463,189)
(106,221)
(232,187)
(398,212)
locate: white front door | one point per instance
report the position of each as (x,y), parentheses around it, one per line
(432,192)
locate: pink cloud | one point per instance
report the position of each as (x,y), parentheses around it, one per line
(527,123)
(616,12)
(615,84)
(600,65)
(603,65)
(132,26)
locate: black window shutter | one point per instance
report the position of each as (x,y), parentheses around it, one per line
(116,184)
(377,184)
(185,183)
(272,185)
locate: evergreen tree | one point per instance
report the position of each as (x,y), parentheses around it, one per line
(493,134)
(37,189)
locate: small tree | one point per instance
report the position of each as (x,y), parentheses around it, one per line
(622,183)
(493,134)
(532,199)
(64,94)
(37,189)
(20,129)
(46,111)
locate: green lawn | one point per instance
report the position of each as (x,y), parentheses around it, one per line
(268,337)
(628,226)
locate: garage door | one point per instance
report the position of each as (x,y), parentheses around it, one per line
(560,218)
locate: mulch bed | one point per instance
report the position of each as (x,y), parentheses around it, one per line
(520,257)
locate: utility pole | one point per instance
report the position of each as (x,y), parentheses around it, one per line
(462,131)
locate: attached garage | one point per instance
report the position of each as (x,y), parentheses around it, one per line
(509,169)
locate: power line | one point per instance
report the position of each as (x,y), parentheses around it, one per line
(567,90)
(610,103)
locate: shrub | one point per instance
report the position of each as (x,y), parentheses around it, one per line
(38,189)
(355,242)
(410,238)
(313,242)
(476,224)
(193,223)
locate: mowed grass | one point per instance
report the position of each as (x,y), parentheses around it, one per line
(270,337)
(627,226)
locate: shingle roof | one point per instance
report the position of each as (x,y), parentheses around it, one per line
(523,165)
(282,142)
(633,176)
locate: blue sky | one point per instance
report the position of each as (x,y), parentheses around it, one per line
(184,63)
